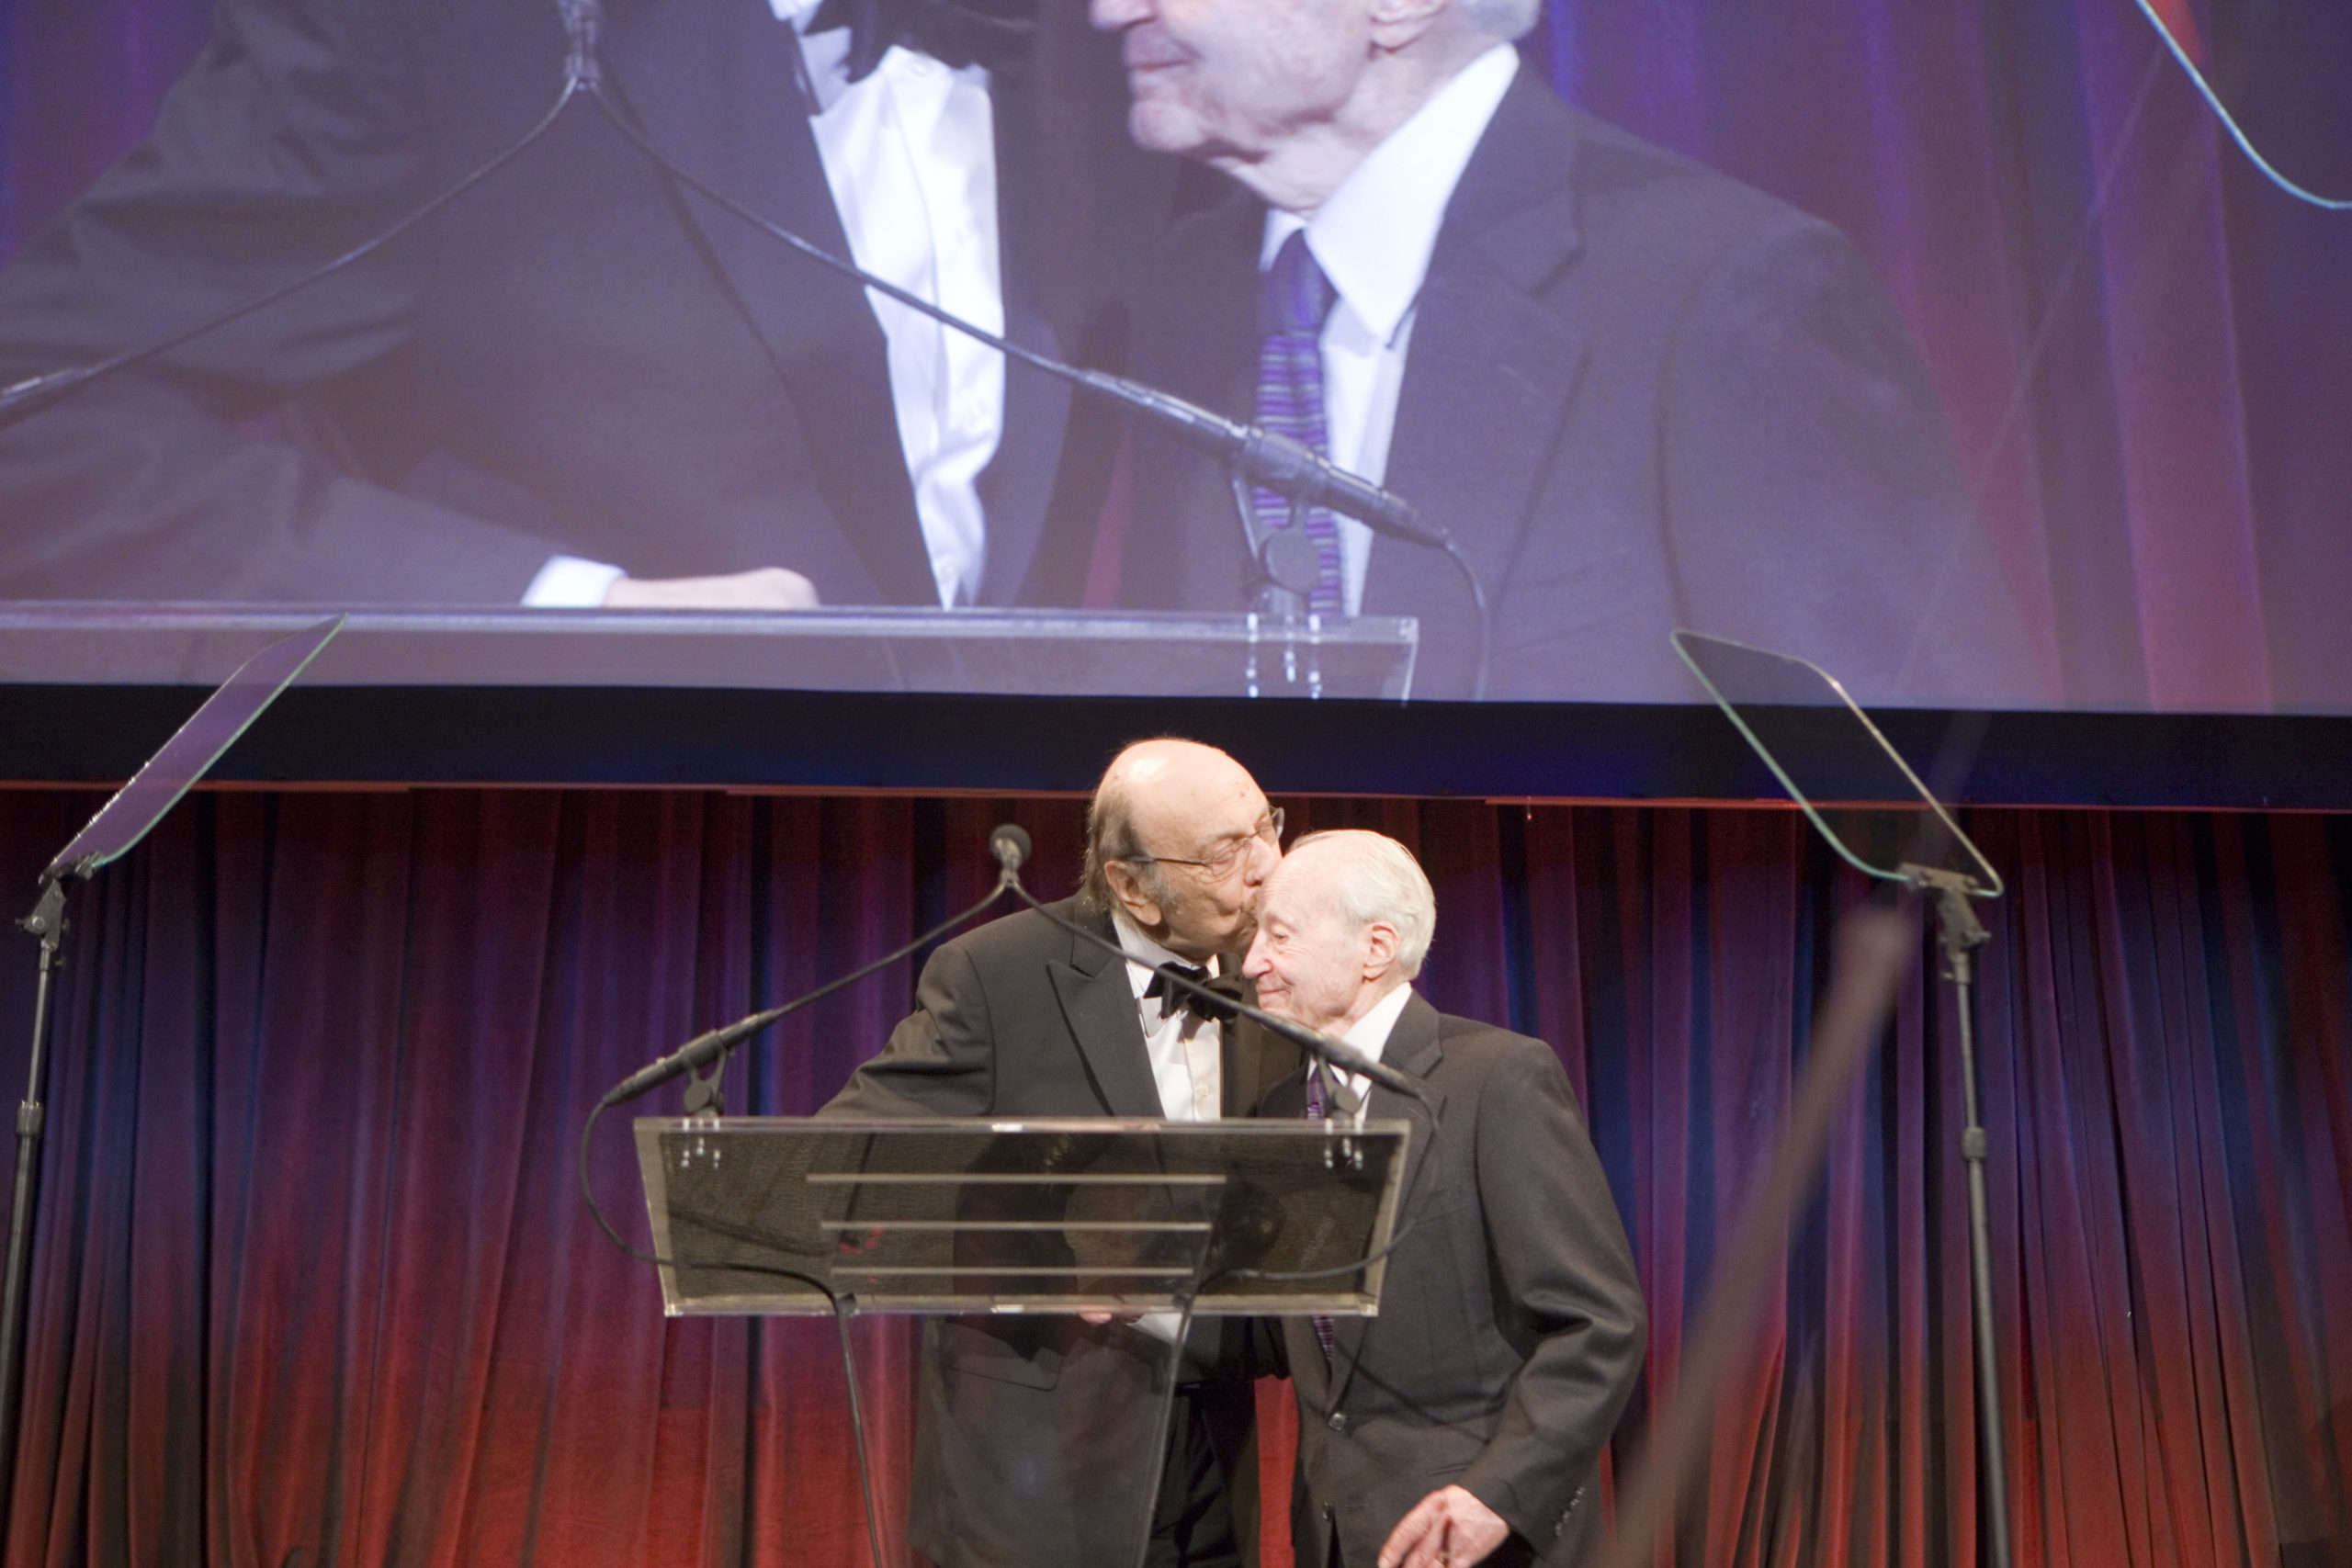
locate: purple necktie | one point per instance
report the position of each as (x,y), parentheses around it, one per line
(1293,299)
(1315,1113)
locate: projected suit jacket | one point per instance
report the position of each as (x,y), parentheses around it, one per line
(1511,1326)
(1030,1428)
(574,359)
(1641,395)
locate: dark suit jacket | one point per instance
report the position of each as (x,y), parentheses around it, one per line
(1511,1326)
(575,357)
(1642,395)
(1031,1427)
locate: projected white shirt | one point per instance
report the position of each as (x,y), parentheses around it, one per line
(909,154)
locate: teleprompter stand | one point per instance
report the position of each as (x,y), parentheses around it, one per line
(948,1217)
(1801,721)
(125,819)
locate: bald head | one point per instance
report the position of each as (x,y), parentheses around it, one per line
(1180,838)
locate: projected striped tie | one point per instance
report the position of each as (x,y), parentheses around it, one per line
(1295,298)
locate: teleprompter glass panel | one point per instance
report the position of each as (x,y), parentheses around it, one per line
(1800,720)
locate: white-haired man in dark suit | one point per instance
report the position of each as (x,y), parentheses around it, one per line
(1462,1424)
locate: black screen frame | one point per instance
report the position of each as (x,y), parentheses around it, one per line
(706,737)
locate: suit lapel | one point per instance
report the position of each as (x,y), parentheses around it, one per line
(1205,343)
(712,83)
(1488,378)
(1412,1048)
(1099,1004)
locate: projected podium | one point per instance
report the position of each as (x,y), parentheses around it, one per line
(1001,1231)
(1003,652)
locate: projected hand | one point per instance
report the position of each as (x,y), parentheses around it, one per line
(1448,1528)
(769,588)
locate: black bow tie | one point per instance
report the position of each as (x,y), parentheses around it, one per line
(991,33)
(1171,997)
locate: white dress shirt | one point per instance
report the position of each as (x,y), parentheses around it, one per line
(1186,1051)
(1372,237)
(909,154)
(1187,1058)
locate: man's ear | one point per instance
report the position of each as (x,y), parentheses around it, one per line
(1399,24)
(1381,946)
(1128,888)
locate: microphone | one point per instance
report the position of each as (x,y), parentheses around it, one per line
(1220,998)
(1277,462)
(699,1051)
(1288,468)
(1010,845)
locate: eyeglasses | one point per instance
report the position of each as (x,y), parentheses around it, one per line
(1220,860)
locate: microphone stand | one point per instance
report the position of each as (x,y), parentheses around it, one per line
(713,1044)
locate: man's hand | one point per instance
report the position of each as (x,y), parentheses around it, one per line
(1448,1528)
(769,588)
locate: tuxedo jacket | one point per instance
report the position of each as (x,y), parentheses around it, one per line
(1030,1429)
(1641,396)
(1511,1326)
(577,357)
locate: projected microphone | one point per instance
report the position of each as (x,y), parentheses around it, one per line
(1220,998)
(584,20)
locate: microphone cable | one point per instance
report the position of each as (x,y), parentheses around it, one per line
(2229,121)
(1306,1276)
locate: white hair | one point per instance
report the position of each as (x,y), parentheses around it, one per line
(1379,881)
(1503,18)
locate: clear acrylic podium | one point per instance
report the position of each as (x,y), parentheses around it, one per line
(997,1233)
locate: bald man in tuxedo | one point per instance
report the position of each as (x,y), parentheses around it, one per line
(1035,1433)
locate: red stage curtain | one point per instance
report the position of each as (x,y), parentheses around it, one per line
(313,1283)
